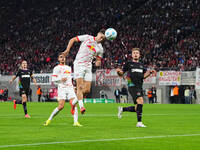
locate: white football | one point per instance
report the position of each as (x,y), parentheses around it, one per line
(111,34)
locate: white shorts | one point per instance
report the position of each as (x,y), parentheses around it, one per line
(66,93)
(81,71)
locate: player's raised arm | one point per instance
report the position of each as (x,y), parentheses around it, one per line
(13,78)
(70,44)
(98,61)
(119,72)
(34,80)
(148,73)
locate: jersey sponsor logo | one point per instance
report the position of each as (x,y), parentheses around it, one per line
(137,70)
(67,72)
(25,76)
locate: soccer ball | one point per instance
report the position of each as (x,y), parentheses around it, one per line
(111,34)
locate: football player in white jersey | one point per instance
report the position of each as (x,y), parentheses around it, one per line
(62,76)
(90,48)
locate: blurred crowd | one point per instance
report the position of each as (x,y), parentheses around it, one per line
(36,30)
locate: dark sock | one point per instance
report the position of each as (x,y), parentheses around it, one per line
(18,102)
(130,109)
(25,108)
(139,112)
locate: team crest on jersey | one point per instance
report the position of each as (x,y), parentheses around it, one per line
(138,94)
(91,48)
(67,72)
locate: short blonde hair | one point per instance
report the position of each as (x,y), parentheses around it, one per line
(136,49)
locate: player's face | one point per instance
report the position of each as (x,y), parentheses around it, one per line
(136,55)
(61,59)
(24,64)
(100,37)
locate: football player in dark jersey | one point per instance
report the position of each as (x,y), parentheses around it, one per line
(137,73)
(25,76)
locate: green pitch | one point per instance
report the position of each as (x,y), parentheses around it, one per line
(169,127)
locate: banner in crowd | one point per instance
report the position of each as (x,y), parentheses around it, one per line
(151,79)
(97,100)
(197,83)
(107,77)
(42,79)
(169,78)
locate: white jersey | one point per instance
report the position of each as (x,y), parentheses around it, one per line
(62,71)
(88,50)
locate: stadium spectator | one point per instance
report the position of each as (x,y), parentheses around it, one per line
(187,95)
(166,31)
(124,92)
(39,93)
(150,96)
(117,95)
(175,95)
(154,94)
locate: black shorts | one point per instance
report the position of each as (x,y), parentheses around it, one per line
(24,91)
(135,93)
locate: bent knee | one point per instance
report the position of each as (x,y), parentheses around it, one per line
(80,87)
(140,100)
(87,91)
(60,107)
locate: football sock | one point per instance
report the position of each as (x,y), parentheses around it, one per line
(74,101)
(18,102)
(76,115)
(25,108)
(139,112)
(54,113)
(80,102)
(130,109)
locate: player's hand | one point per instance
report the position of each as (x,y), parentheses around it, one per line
(10,81)
(64,79)
(119,72)
(98,63)
(153,72)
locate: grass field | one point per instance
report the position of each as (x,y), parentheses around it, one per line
(170,127)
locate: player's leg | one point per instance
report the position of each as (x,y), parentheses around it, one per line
(139,109)
(24,100)
(80,88)
(87,80)
(15,102)
(61,104)
(76,123)
(23,93)
(87,87)
(132,91)
(79,73)
(72,96)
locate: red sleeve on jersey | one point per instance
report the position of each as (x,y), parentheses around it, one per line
(77,38)
(54,75)
(99,57)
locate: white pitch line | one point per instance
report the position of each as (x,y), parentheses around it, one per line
(86,115)
(99,140)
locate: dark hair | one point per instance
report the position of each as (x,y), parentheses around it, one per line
(61,53)
(102,31)
(23,60)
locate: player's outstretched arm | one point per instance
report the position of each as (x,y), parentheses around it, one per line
(34,81)
(98,62)
(148,73)
(119,72)
(13,78)
(70,44)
